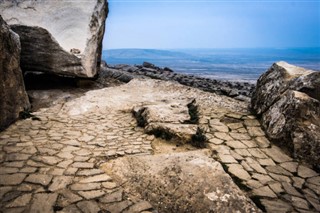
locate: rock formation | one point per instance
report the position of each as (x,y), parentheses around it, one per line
(175,183)
(238,90)
(13,97)
(170,120)
(62,37)
(63,154)
(288,100)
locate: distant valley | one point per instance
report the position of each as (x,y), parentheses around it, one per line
(223,64)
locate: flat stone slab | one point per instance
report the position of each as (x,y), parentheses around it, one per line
(227,158)
(39,179)
(277,155)
(20,201)
(276,206)
(181,132)
(167,180)
(91,194)
(290,166)
(305,172)
(43,202)
(119,206)
(96,178)
(12,179)
(113,197)
(67,198)
(236,144)
(83,165)
(264,191)
(60,182)
(89,206)
(139,207)
(89,172)
(238,171)
(85,186)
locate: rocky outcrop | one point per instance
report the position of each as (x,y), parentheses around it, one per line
(238,90)
(168,120)
(288,100)
(181,182)
(62,37)
(13,97)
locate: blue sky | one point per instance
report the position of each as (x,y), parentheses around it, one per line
(173,24)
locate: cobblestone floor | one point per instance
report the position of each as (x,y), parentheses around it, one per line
(53,165)
(259,167)
(55,162)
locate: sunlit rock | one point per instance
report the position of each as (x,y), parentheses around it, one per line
(287,99)
(62,37)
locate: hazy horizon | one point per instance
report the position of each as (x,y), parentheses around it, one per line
(212,24)
(214,48)
(225,64)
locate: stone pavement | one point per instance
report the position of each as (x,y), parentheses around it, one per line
(275,181)
(53,165)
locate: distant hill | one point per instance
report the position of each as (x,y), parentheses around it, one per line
(138,56)
(144,53)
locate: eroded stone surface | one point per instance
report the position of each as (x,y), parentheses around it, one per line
(287,98)
(238,171)
(97,127)
(43,202)
(96,178)
(58,37)
(12,179)
(179,174)
(13,97)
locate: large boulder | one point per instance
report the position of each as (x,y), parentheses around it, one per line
(180,182)
(62,37)
(13,97)
(287,98)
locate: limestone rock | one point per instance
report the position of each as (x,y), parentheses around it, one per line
(274,82)
(288,101)
(295,120)
(167,120)
(309,84)
(63,37)
(13,97)
(177,182)
(43,202)
(149,91)
(183,133)
(176,112)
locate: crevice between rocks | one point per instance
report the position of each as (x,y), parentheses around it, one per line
(193,112)
(242,186)
(169,126)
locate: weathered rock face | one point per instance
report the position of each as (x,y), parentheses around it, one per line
(63,37)
(275,82)
(13,97)
(181,182)
(169,120)
(288,100)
